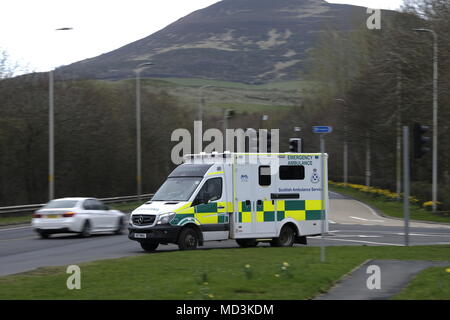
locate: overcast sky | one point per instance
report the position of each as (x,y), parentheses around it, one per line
(27,27)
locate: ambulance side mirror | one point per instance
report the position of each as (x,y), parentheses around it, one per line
(213,199)
(199,200)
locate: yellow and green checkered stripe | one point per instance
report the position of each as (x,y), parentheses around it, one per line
(204,213)
(269,211)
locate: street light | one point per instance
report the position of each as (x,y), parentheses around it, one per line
(51,130)
(345,166)
(228,113)
(435,113)
(138,127)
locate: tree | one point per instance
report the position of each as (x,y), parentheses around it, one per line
(7,67)
(385,77)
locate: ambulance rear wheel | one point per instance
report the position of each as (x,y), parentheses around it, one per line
(188,239)
(247,243)
(286,238)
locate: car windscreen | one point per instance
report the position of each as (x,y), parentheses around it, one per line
(177,189)
(54,204)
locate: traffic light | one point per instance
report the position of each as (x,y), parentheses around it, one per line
(229,113)
(420,141)
(269,141)
(295,145)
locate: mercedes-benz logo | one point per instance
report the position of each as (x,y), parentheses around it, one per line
(141,219)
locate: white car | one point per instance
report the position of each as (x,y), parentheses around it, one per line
(77,215)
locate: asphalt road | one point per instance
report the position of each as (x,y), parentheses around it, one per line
(351,223)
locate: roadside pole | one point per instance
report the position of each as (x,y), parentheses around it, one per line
(322,214)
(322,130)
(51,137)
(406,182)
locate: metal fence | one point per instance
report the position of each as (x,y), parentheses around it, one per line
(33,207)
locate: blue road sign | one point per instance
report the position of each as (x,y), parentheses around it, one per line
(322,129)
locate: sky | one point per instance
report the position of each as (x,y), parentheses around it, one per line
(27,27)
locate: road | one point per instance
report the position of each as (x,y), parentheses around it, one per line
(396,275)
(351,223)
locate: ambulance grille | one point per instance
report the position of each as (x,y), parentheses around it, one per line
(143,219)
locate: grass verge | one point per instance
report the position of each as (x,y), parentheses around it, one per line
(277,85)
(5,221)
(255,273)
(430,284)
(391,208)
(26,218)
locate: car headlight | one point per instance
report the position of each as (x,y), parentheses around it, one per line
(166,218)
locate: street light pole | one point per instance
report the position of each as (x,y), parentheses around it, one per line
(51,136)
(435,115)
(368,159)
(138,128)
(198,125)
(345,151)
(51,129)
(201,102)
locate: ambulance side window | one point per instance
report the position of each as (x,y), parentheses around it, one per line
(264,176)
(292,172)
(211,191)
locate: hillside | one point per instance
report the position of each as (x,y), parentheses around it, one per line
(250,41)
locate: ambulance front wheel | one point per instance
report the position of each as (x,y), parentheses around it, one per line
(247,243)
(286,238)
(188,239)
(149,246)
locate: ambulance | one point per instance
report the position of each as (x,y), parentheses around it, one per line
(251,198)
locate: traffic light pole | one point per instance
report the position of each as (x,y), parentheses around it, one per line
(406,182)
(434,190)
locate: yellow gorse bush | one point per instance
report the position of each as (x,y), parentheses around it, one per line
(374,191)
(430,204)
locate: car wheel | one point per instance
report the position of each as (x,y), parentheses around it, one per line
(86,231)
(44,235)
(247,243)
(286,238)
(120,226)
(188,239)
(149,246)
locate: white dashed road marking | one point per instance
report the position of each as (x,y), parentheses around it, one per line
(363,219)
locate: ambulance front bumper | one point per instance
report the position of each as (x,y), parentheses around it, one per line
(163,234)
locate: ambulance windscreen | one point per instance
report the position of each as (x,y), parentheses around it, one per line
(177,189)
(190,170)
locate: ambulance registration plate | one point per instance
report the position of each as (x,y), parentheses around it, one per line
(140,235)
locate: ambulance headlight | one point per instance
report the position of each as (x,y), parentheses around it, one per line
(166,218)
